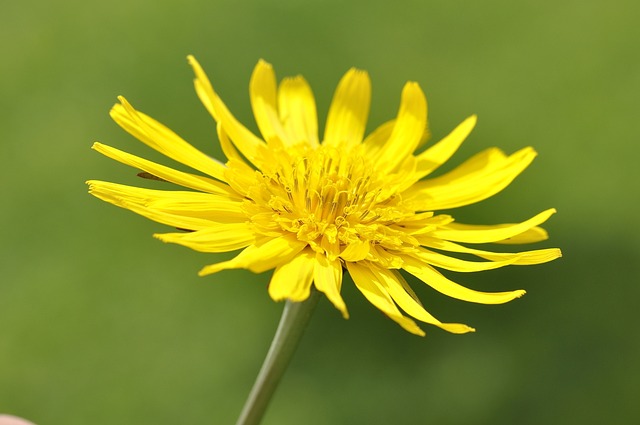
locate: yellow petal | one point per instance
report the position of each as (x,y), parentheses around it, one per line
(244,140)
(327,277)
(384,258)
(172,208)
(456,189)
(214,207)
(395,284)
(487,161)
(356,251)
(203,87)
(293,280)
(165,141)
(438,154)
(215,238)
(264,255)
(349,110)
(457,265)
(426,135)
(370,286)
(227,146)
(297,108)
(537,256)
(408,130)
(408,289)
(191,181)
(378,138)
(262,90)
(535,234)
(423,223)
(484,164)
(431,277)
(484,234)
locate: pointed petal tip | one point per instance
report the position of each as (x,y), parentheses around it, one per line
(197,68)
(412,85)
(339,305)
(192,61)
(213,268)
(456,328)
(93,186)
(276,297)
(413,88)
(472,120)
(417,331)
(263,70)
(91,182)
(114,110)
(205,271)
(295,79)
(357,74)
(160,236)
(263,64)
(118,107)
(216,267)
(356,70)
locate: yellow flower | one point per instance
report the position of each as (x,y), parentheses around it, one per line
(312,208)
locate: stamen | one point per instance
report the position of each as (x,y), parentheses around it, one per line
(326,197)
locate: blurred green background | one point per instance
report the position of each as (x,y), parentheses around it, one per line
(102,324)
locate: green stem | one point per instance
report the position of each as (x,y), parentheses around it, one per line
(290,329)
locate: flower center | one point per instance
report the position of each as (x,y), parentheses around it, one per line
(327,197)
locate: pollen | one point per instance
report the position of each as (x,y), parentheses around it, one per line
(326,197)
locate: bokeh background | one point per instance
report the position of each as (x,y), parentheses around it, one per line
(102,324)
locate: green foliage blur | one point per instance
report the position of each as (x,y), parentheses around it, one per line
(102,324)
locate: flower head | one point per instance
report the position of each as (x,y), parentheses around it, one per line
(312,207)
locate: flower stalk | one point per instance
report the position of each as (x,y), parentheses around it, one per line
(294,320)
